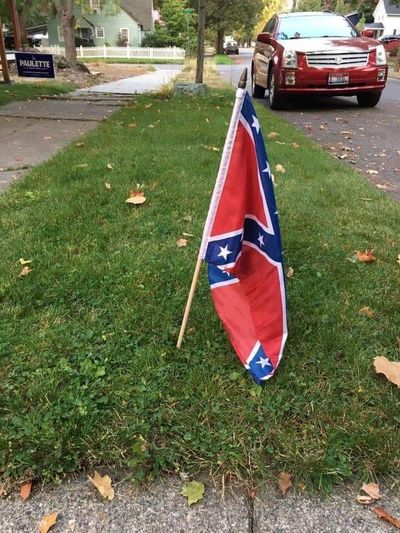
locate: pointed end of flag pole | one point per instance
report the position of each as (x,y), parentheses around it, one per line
(243,80)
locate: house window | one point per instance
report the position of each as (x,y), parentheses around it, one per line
(95,6)
(124,35)
(100,33)
(60,34)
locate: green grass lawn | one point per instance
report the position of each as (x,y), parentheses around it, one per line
(89,372)
(24,91)
(222,59)
(133,61)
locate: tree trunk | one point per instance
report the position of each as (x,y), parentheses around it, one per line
(65,11)
(397,66)
(22,25)
(220,41)
(3,57)
(200,41)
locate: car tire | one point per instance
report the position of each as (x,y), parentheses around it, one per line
(368,99)
(276,99)
(258,90)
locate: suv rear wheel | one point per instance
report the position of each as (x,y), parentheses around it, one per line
(368,99)
(276,99)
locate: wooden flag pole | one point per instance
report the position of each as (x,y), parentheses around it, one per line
(189,301)
(217,190)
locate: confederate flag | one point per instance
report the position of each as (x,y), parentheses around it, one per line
(242,246)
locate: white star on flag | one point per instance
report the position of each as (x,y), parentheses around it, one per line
(256,124)
(261,240)
(263,362)
(267,168)
(224,252)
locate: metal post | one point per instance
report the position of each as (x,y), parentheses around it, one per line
(3,56)
(15,25)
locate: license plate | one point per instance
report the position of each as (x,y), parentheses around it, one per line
(338,79)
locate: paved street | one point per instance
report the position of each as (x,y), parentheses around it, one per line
(364,138)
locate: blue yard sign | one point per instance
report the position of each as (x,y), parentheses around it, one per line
(34,65)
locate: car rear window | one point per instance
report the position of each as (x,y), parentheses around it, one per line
(312,26)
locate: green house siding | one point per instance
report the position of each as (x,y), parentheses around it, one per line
(110,23)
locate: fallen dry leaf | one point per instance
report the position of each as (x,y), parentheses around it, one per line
(290,272)
(109,166)
(136,198)
(372,489)
(366,311)
(284,482)
(366,256)
(24,261)
(148,106)
(47,138)
(212,148)
(280,168)
(272,135)
(398,259)
(181,243)
(24,272)
(390,369)
(194,491)
(322,127)
(372,172)
(295,145)
(107,185)
(47,522)
(345,132)
(79,145)
(364,500)
(82,165)
(25,490)
(381,513)
(132,125)
(103,485)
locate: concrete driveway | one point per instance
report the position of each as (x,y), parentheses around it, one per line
(367,139)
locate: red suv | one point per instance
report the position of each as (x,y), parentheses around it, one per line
(317,54)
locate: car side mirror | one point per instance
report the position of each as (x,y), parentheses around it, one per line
(264,38)
(368,33)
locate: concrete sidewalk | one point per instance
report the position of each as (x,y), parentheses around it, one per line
(33,131)
(138,84)
(162,509)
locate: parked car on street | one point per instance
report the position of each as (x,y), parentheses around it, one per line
(232,47)
(385,39)
(320,54)
(9,42)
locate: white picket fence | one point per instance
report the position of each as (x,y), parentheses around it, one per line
(128,52)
